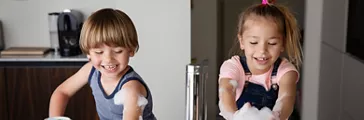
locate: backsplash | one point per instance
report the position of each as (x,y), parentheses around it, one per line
(25,23)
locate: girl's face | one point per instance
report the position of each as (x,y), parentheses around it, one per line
(110,61)
(262,44)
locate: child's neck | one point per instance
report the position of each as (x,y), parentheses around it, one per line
(110,83)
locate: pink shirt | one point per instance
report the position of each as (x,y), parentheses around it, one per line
(233,69)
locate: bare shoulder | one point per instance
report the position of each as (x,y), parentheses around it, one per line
(135,87)
(287,72)
(289,77)
(286,64)
(235,60)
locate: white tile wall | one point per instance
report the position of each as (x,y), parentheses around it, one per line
(330,82)
(346,116)
(353,87)
(334,23)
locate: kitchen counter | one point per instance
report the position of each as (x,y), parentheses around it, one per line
(47,59)
(27,83)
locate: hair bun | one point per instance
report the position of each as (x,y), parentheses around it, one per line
(264,2)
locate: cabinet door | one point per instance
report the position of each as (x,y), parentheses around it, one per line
(3,102)
(30,89)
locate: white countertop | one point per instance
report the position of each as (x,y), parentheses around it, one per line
(49,57)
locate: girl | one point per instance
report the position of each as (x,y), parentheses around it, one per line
(260,76)
(109,39)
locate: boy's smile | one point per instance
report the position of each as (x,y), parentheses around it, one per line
(110,61)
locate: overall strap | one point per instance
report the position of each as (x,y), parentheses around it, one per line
(276,66)
(245,65)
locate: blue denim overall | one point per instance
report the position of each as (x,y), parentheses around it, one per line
(256,94)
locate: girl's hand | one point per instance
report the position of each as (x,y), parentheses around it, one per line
(248,112)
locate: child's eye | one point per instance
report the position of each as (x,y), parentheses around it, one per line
(272,43)
(119,51)
(98,52)
(253,43)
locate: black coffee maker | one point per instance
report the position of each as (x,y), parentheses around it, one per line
(69,29)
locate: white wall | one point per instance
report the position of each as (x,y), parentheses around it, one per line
(311,62)
(346,77)
(352,89)
(164,32)
(332,59)
(333,79)
(26,22)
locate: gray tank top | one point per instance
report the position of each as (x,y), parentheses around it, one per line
(105,106)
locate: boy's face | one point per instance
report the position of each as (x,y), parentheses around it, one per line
(110,61)
(262,43)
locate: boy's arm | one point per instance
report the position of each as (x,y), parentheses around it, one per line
(287,87)
(134,92)
(67,89)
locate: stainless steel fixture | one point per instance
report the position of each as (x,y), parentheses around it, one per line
(195,91)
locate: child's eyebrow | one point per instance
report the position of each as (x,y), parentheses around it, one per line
(255,37)
(95,49)
(275,37)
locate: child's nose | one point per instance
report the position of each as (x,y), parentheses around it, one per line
(108,58)
(263,48)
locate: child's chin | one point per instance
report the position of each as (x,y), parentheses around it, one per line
(110,74)
(262,67)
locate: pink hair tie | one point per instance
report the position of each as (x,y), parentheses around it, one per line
(264,2)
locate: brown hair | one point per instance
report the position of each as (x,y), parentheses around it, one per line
(111,27)
(287,26)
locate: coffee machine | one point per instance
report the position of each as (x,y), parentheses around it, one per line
(69,29)
(2,44)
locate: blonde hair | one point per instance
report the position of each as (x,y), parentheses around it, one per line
(110,27)
(287,26)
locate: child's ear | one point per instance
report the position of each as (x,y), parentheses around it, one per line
(241,42)
(88,57)
(132,53)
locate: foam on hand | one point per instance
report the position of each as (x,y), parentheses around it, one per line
(119,99)
(248,112)
(123,93)
(278,106)
(234,83)
(58,118)
(224,113)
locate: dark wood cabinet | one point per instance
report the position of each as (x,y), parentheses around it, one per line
(3,100)
(28,92)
